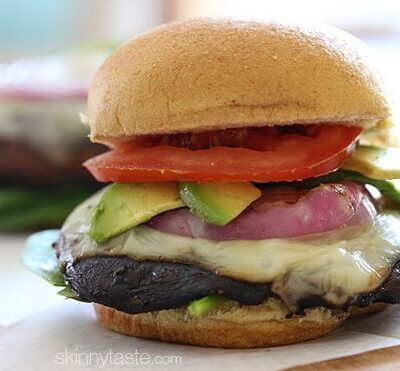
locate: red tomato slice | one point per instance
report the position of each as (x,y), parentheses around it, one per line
(292,157)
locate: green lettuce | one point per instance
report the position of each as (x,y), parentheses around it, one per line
(40,257)
(388,188)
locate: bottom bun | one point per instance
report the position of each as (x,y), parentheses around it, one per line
(228,326)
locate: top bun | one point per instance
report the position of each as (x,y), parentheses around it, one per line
(207,74)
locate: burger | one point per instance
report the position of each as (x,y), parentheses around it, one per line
(253,199)
(42,142)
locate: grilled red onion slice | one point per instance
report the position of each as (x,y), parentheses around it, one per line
(321,209)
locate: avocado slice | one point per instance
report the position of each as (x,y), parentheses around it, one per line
(374,162)
(200,307)
(218,203)
(125,205)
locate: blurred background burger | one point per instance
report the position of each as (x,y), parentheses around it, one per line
(48,52)
(42,142)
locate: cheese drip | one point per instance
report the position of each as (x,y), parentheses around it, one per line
(334,265)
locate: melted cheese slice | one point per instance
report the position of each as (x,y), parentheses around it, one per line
(334,265)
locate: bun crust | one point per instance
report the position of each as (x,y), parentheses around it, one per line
(207,74)
(264,325)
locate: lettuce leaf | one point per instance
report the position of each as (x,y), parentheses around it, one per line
(39,256)
(388,188)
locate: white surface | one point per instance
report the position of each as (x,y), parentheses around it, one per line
(23,293)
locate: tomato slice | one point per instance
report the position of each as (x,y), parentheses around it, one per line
(291,157)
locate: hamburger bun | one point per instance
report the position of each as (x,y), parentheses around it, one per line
(208,74)
(228,326)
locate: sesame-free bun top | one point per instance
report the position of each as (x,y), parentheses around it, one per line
(207,74)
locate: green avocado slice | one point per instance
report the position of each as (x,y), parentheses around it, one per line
(201,307)
(125,205)
(218,203)
(375,163)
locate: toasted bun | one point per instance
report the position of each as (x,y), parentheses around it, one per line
(207,74)
(231,326)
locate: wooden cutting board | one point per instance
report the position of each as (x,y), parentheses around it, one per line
(386,359)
